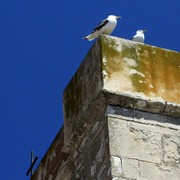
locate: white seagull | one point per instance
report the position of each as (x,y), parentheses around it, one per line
(104,27)
(139,37)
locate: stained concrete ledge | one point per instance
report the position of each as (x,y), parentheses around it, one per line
(145,71)
(123,73)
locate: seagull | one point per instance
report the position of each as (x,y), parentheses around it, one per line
(139,37)
(104,27)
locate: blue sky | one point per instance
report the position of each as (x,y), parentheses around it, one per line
(41,47)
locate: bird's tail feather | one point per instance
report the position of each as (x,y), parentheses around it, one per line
(88,38)
(85,37)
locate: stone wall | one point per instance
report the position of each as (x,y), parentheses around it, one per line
(121,116)
(143,145)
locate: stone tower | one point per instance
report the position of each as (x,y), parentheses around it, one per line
(121,116)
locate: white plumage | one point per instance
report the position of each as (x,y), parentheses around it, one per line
(104,27)
(139,36)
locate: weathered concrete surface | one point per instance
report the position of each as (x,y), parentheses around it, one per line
(121,116)
(143,70)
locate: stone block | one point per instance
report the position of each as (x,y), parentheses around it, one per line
(134,142)
(130,168)
(149,171)
(116,166)
(171,147)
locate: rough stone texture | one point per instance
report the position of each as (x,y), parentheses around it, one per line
(53,161)
(121,116)
(171,145)
(135,142)
(148,144)
(150,171)
(131,168)
(116,163)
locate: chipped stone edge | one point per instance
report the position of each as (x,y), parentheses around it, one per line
(135,101)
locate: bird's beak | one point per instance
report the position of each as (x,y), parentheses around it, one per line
(118,17)
(145,30)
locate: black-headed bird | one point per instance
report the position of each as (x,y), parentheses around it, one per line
(104,27)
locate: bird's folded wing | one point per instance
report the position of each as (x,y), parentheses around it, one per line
(100,25)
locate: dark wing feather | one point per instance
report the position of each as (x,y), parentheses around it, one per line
(100,25)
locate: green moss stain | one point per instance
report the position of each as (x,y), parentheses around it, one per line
(110,53)
(113,59)
(157,71)
(161,68)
